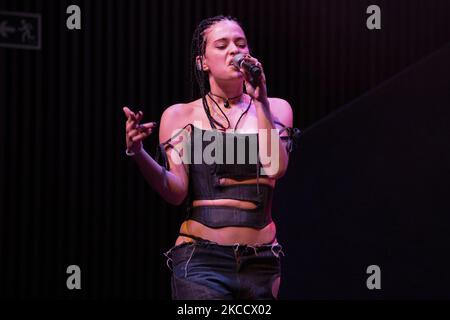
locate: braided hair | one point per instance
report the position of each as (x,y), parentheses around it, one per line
(198,48)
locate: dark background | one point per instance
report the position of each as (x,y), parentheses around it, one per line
(367,185)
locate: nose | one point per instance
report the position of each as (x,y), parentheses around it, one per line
(234,49)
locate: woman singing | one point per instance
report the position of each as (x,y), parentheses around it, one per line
(227,247)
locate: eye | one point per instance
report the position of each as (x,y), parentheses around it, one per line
(241,44)
(221,45)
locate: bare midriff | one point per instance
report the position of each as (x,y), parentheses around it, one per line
(229,235)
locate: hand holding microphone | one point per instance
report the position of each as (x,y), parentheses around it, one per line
(254,75)
(253,68)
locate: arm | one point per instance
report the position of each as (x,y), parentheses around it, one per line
(267,111)
(275,161)
(173,186)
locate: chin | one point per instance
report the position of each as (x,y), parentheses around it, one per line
(234,75)
(237,75)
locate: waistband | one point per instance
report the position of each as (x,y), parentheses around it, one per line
(226,216)
(205,241)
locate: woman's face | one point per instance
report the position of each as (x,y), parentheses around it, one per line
(224,40)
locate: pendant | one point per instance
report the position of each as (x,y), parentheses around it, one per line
(226,104)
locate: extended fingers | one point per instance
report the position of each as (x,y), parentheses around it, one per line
(142,135)
(143,127)
(133,119)
(141,131)
(127,111)
(139,116)
(129,114)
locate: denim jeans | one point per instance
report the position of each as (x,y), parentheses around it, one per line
(207,270)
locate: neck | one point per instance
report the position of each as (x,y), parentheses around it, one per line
(227,89)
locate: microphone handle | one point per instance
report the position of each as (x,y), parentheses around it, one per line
(255,73)
(254,70)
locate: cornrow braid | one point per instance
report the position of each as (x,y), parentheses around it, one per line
(198,47)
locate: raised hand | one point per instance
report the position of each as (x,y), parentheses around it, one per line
(136,132)
(258,92)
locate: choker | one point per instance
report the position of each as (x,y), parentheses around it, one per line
(226,104)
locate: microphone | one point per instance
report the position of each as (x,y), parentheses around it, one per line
(255,71)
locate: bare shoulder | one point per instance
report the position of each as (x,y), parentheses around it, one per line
(174,118)
(282,111)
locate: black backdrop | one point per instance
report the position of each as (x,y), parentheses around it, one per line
(69,195)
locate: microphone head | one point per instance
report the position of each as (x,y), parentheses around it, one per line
(237,60)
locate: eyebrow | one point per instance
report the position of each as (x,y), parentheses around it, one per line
(226,39)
